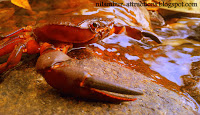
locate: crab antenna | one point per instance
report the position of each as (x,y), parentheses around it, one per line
(24,29)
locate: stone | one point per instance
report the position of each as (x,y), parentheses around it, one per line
(24,91)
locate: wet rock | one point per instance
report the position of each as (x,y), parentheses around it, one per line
(191,86)
(195,36)
(24,91)
(192,82)
(180,28)
(156,18)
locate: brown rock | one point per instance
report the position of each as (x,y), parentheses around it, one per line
(23,91)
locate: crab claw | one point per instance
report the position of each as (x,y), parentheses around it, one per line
(137,33)
(151,35)
(102,84)
(73,80)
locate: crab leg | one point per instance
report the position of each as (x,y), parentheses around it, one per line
(9,45)
(17,46)
(13,59)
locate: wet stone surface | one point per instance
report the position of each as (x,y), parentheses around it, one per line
(24,91)
(192,82)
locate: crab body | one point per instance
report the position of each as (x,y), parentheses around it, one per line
(53,39)
(81,31)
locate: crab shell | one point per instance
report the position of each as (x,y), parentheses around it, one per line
(82,30)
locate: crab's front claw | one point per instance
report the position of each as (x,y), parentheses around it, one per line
(138,33)
(151,35)
(103,90)
(73,80)
(102,84)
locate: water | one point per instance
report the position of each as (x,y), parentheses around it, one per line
(164,63)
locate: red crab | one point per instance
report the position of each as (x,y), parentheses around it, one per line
(53,39)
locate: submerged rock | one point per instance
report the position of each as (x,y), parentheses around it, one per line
(191,83)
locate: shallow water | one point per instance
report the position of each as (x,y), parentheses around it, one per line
(170,60)
(164,64)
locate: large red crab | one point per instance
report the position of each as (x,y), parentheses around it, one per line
(53,39)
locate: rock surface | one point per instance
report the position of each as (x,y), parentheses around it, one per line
(24,91)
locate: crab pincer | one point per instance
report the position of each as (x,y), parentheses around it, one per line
(77,82)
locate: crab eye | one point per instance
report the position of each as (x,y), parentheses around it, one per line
(95,24)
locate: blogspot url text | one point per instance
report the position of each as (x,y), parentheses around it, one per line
(145,4)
